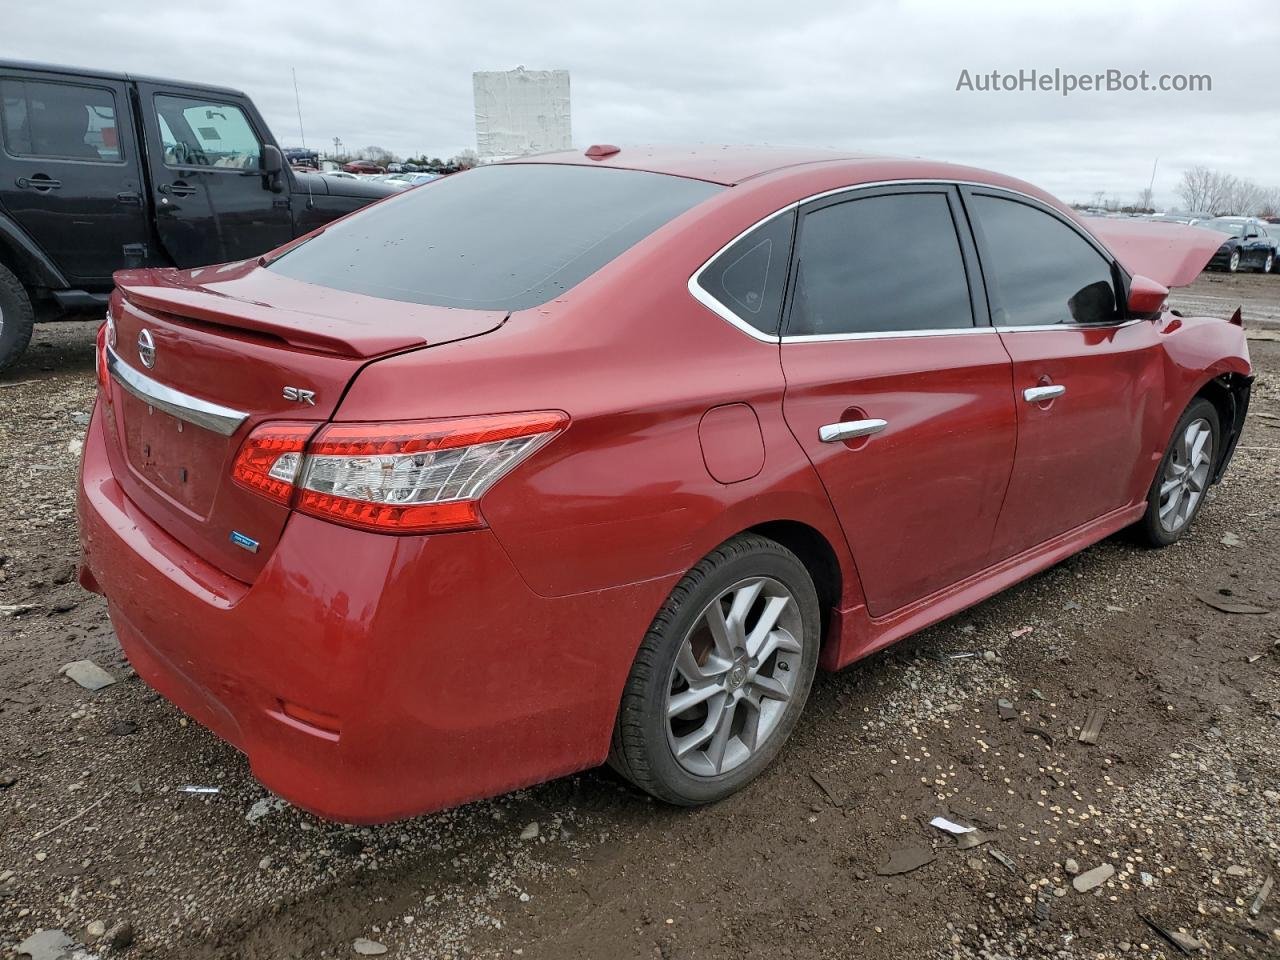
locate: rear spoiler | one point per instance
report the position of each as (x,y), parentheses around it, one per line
(1168,253)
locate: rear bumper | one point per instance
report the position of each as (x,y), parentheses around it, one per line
(438,675)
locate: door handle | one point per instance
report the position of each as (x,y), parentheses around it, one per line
(128,197)
(39,182)
(849,429)
(178,189)
(1041,394)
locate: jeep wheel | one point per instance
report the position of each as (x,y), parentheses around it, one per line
(16,318)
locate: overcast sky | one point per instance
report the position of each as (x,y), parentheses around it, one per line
(876,76)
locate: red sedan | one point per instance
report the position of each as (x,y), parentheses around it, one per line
(363,166)
(588,457)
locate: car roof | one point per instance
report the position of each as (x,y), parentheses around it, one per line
(723,164)
(92,74)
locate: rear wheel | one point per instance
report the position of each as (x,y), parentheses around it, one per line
(16,318)
(722,675)
(1181,483)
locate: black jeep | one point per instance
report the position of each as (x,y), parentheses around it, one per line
(103,171)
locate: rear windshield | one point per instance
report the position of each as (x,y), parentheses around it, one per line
(506,237)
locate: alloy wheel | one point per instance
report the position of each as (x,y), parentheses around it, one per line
(1186,475)
(1234,263)
(1271,259)
(734,676)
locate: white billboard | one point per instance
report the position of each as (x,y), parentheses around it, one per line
(521,111)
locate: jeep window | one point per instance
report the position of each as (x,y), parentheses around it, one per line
(203,133)
(505,237)
(59,121)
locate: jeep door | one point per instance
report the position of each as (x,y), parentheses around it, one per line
(212,200)
(70,173)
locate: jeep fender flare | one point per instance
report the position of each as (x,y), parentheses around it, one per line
(21,255)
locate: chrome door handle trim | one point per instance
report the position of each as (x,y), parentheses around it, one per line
(1040,394)
(202,413)
(835,432)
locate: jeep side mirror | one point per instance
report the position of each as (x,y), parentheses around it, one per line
(1146,297)
(272,168)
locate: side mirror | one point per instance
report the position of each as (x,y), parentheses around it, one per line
(1146,297)
(272,168)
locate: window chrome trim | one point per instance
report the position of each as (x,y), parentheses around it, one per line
(888,334)
(202,413)
(720,310)
(1042,327)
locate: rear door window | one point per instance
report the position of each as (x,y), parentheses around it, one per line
(506,237)
(887,264)
(750,278)
(1040,271)
(59,121)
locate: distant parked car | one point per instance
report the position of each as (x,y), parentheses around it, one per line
(1249,244)
(412,179)
(363,166)
(1271,229)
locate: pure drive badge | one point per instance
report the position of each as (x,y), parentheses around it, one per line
(240,540)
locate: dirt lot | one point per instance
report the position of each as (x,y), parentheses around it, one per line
(1179,794)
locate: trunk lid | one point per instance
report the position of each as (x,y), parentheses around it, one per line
(223,344)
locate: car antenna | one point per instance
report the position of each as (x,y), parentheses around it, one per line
(297,98)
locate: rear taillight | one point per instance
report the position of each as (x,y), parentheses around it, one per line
(106,337)
(269,459)
(411,477)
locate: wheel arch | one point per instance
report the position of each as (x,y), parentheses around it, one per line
(1229,394)
(25,260)
(819,557)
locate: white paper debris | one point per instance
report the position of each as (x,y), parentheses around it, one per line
(942,823)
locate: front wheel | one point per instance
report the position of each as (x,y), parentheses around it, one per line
(1181,483)
(1269,264)
(722,675)
(1233,264)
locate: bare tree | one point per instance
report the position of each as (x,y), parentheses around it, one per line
(1145,197)
(1246,197)
(1206,191)
(379,155)
(465,160)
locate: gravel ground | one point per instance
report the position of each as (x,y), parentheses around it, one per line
(1178,795)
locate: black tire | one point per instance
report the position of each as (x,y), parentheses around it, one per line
(640,750)
(1149,529)
(1233,262)
(16,318)
(1268,264)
